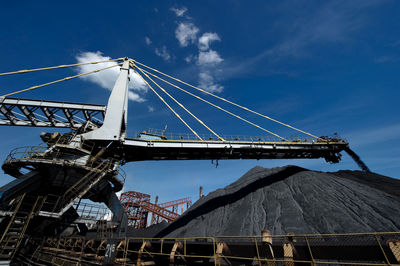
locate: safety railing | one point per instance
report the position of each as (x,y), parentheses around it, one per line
(27,152)
(160,211)
(66,139)
(333,249)
(89,211)
(169,204)
(55,203)
(42,152)
(328,249)
(121,175)
(159,135)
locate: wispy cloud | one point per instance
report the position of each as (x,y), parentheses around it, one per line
(207,61)
(179,12)
(189,58)
(396,43)
(186,33)
(334,21)
(163,53)
(329,113)
(206,39)
(207,82)
(147,40)
(107,78)
(209,58)
(373,136)
(331,22)
(387,59)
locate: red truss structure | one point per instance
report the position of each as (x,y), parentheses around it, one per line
(173,206)
(133,202)
(138,207)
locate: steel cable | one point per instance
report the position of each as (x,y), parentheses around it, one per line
(55,67)
(216,106)
(225,100)
(181,105)
(56,81)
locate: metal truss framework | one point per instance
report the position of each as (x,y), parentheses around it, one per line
(39,113)
(113,128)
(176,203)
(132,201)
(138,207)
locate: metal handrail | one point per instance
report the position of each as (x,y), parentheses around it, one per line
(44,153)
(159,135)
(66,139)
(26,152)
(91,211)
(59,201)
(121,175)
(129,250)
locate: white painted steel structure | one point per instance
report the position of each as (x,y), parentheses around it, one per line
(39,113)
(111,133)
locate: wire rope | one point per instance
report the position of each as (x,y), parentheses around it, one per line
(230,102)
(60,66)
(56,81)
(162,99)
(181,105)
(216,106)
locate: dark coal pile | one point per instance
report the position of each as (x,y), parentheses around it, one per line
(146,232)
(294,199)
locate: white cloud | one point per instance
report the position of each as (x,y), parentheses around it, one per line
(106,78)
(163,53)
(189,58)
(374,136)
(206,39)
(147,40)
(207,82)
(331,22)
(150,109)
(179,12)
(209,57)
(186,33)
(135,97)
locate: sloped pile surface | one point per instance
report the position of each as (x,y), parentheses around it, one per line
(294,199)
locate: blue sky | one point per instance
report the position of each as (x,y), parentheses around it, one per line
(322,66)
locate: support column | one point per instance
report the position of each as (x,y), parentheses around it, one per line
(114,125)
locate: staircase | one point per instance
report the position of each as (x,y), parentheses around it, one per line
(160,211)
(76,191)
(11,238)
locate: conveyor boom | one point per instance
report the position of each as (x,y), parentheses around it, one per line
(39,113)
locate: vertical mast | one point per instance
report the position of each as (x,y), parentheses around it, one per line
(114,125)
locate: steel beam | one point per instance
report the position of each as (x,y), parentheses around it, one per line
(139,150)
(114,126)
(39,113)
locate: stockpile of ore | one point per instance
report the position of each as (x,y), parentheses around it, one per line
(296,200)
